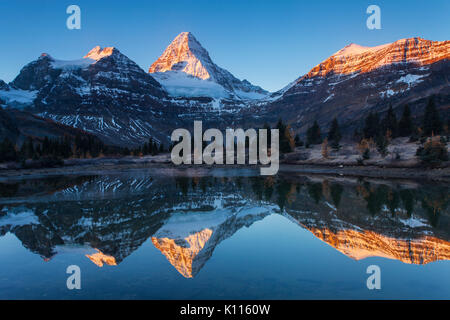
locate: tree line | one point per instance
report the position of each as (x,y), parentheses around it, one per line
(80,146)
(148,148)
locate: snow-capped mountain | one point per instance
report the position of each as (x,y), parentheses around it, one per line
(109,95)
(17,125)
(185,69)
(188,239)
(357,80)
(104,93)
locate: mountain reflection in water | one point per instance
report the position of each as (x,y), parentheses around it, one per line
(186,215)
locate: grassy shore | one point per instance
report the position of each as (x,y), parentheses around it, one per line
(401,162)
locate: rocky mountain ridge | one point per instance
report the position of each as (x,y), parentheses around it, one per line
(357,80)
(107,94)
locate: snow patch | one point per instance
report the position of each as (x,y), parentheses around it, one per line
(72,64)
(413,222)
(19,96)
(411,79)
(180,84)
(19,216)
(329,98)
(355,49)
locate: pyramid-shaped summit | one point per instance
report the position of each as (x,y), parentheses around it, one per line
(185,54)
(186,69)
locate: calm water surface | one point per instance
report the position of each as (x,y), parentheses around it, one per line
(197,234)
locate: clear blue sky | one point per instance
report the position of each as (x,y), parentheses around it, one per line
(270,43)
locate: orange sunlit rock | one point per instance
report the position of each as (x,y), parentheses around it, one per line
(355,58)
(100,258)
(180,55)
(363,244)
(182,256)
(98,53)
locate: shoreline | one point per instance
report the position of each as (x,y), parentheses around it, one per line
(371,171)
(104,166)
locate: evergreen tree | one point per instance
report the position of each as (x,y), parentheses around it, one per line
(137,151)
(405,125)
(371,126)
(27,149)
(280,125)
(284,146)
(286,141)
(357,135)
(298,141)
(431,121)
(325,148)
(269,134)
(154,148)
(433,152)
(366,154)
(126,151)
(46,146)
(313,135)
(67,147)
(334,135)
(336,191)
(150,145)
(382,144)
(7,151)
(145,149)
(38,151)
(389,123)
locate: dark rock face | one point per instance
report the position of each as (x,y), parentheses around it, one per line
(17,125)
(37,74)
(110,97)
(3,85)
(8,128)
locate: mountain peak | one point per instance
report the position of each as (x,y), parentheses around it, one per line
(190,40)
(45,57)
(355,58)
(186,69)
(356,49)
(186,35)
(98,53)
(408,44)
(184,54)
